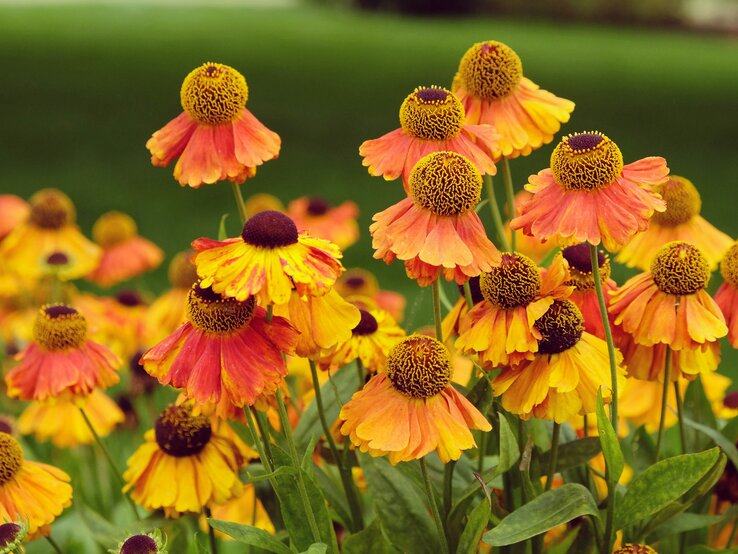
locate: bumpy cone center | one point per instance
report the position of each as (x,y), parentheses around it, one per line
(446,183)
(113,228)
(214,93)
(367,324)
(679,268)
(432,113)
(179,433)
(182,272)
(9,533)
(139,544)
(419,366)
(59,327)
(210,312)
(683,202)
(729,266)
(490,70)
(586,161)
(580,266)
(270,229)
(515,282)
(561,327)
(11,457)
(635,549)
(51,209)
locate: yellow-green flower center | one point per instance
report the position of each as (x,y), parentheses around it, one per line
(586,161)
(580,266)
(635,549)
(179,433)
(182,272)
(680,268)
(446,183)
(59,327)
(212,313)
(683,202)
(561,327)
(729,266)
(419,366)
(214,93)
(51,209)
(515,282)
(490,70)
(432,113)
(11,457)
(113,228)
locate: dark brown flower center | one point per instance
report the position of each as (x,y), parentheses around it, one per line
(210,312)
(51,209)
(270,229)
(59,327)
(515,282)
(9,533)
(680,268)
(367,324)
(179,433)
(57,259)
(446,183)
(474,288)
(561,327)
(318,206)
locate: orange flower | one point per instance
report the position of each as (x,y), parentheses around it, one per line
(226,353)
(268,260)
(61,360)
(491,86)
(588,195)
(316,217)
(432,119)
(436,229)
(411,409)
(125,254)
(501,328)
(456,321)
(362,283)
(535,248)
(216,137)
(13,211)
(727,295)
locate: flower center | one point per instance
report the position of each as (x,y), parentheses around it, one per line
(11,457)
(59,327)
(139,544)
(474,288)
(113,228)
(635,549)
(211,313)
(357,281)
(729,266)
(318,206)
(214,93)
(51,209)
(182,272)
(270,229)
(490,69)
(586,161)
(8,533)
(367,324)
(6,424)
(731,400)
(580,266)
(445,183)
(515,282)
(683,202)
(432,113)
(57,259)
(561,327)
(129,298)
(679,268)
(419,366)
(179,433)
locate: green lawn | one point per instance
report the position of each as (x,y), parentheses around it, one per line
(84,87)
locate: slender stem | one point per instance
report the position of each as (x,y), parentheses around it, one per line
(53,544)
(360,372)
(482,452)
(435,288)
(109,458)
(239,202)
(586,426)
(434,507)
(263,425)
(610,516)
(608,336)
(266,460)
(496,217)
(510,193)
(680,415)
(664,397)
(270,313)
(284,420)
(468,296)
(554,458)
(448,487)
(211,532)
(349,487)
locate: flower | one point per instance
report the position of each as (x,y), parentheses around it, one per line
(226,353)
(61,360)
(563,378)
(204,462)
(60,421)
(668,304)
(12,536)
(50,229)
(501,328)
(268,260)
(147,543)
(432,119)
(216,137)
(125,254)
(727,295)
(371,340)
(436,229)
(358,282)
(316,217)
(681,221)
(588,195)
(535,248)
(635,549)
(13,211)
(491,86)
(411,409)
(33,492)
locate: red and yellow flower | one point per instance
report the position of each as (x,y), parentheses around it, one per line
(13,211)
(727,295)
(316,217)
(358,282)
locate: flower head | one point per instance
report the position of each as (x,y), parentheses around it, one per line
(635,549)
(12,536)
(147,543)
(727,295)
(318,218)
(360,283)
(13,211)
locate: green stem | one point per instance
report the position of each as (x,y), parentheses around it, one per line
(211,532)
(554,458)
(270,313)
(510,193)
(586,426)
(482,452)
(496,217)
(261,444)
(109,458)
(360,372)
(239,202)
(448,487)
(285,422)
(349,487)
(468,296)
(53,544)
(664,397)
(434,507)
(680,416)
(610,516)
(608,336)
(435,289)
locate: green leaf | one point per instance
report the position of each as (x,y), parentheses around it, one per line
(719,439)
(316,548)
(640,449)
(222,233)
(697,407)
(702,549)
(334,493)
(545,512)
(475,526)
(401,510)
(730,430)
(284,470)
(572,454)
(253,536)
(663,483)
(682,523)
(610,445)
(368,541)
(509,452)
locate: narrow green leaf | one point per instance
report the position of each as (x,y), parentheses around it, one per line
(728,447)
(509,452)
(702,549)
(368,541)
(284,470)
(475,526)
(316,548)
(222,232)
(661,484)
(610,445)
(730,431)
(682,523)
(334,492)
(697,407)
(572,454)
(545,512)
(253,536)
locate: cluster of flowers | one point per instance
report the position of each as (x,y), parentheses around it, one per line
(244,312)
